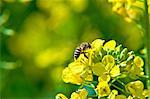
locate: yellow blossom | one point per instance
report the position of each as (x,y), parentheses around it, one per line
(98,69)
(61,96)
(108,59)
(136,88)
(146,92)
(80,94)
(69,77)
(114,61)
(115,71)
(97,44)
(106,68)
(136,71)
(112,69)
(104,77)
(113,94)
(103,89)
(75,73)
(138,61)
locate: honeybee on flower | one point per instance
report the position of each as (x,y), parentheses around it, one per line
(111,64)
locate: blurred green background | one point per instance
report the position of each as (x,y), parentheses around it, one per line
(38,38)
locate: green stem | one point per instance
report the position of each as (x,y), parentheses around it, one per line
(123,91)
(120,82)
(147,42)
(145,77)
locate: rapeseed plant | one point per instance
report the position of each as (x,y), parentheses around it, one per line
(111,71)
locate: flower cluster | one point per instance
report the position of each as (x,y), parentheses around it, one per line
(110,70)
(131,10)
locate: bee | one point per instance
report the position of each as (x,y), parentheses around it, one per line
(81,49)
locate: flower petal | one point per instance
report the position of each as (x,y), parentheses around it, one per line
(138,61)
(110,45)
(115,71)
(108,59)
(98,69)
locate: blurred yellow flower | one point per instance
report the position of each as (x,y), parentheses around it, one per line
(131,10)
(134,14)
(103,89)
(51,55)
(78,5)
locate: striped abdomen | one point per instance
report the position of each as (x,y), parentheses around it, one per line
(77,52)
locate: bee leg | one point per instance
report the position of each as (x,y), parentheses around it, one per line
(85,55)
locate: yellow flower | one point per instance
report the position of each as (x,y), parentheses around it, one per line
(61,96)
(104,77)
(96,51)
(134,68)
(146,92)
(103,89)
(136,88)
(69,77)
(98,69)
(76,73)
(97,44)
(138,61)
(112,69)
(115,71)
(106,68)
(108,59)
(113,94)
(136,71)
(80,94)
(110,45)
